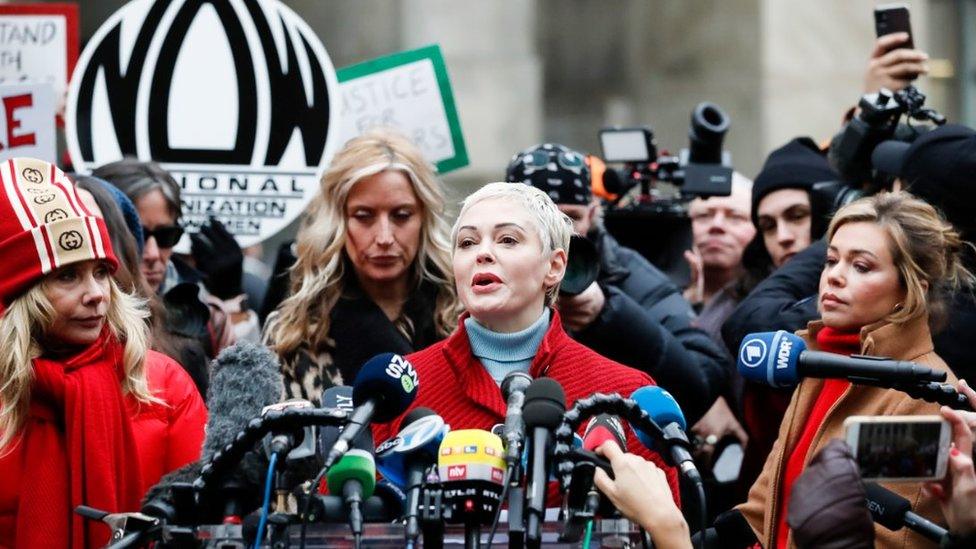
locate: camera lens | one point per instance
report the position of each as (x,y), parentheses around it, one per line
(708,126)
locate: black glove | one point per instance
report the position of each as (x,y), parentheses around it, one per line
(219,257)
(827,503)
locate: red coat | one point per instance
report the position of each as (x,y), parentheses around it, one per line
(453,383)
(167,437)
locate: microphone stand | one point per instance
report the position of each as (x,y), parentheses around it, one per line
(516,507)
(431,517)
(472,532)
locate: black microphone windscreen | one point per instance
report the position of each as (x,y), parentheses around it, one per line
(545,403)
(415,414)
(887,507)
(244,378)
(390,381)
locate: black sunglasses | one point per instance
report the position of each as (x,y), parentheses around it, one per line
(166,236)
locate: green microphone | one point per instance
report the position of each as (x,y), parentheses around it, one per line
(354,478)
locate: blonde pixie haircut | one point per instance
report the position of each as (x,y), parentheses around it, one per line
(317,278)
(925,248)
(555,228)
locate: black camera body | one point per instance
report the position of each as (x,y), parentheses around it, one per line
(703,169)
(877,121)
(850,152)
(654,221)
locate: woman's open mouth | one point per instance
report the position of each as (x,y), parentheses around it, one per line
(485,282)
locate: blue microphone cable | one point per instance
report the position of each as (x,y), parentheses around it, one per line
(267,500)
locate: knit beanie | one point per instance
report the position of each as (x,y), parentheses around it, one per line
(797,165)
(43,225)
(129,213)
(555,169)
(939,168)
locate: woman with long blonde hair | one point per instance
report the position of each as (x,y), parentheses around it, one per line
(88,415)
(373,267)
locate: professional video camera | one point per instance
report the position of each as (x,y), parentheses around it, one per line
(652,189)
(879,119)
(703,169)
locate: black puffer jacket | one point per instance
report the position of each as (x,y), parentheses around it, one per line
(787,300)
(646,324)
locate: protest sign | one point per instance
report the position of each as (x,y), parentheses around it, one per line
(27,121)
(38,43)
(239,101)
(409,91)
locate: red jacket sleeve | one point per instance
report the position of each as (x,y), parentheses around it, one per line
(186,414)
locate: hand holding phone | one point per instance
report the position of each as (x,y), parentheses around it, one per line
(956,493)
(899,448)
(894,62)
(891,19)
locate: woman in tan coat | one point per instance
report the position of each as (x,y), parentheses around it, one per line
(890,257)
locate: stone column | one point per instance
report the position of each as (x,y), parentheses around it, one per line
(496,74)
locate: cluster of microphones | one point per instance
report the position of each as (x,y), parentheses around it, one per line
(320,464)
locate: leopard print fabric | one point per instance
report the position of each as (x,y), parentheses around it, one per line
(306,373)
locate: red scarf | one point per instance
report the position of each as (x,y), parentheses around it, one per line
(78,449)
(831,341)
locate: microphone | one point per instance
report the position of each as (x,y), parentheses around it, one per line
(354,478)
(602,428)
(545,404)
(244,379)
(583,501)
(664,410)
(340,396)
(780,359)
(513,432)
(894,512)
(404,459)
(384,388)
(296,443)
(471,466)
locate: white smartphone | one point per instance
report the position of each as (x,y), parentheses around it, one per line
(899,448)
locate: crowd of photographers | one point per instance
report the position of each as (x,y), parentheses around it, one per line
(863,244)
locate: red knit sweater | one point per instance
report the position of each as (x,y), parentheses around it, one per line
(457,386)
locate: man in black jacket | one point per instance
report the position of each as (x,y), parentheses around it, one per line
(938,168)
(633,313)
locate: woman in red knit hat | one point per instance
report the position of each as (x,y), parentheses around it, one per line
(76,373)
(509,257)
(890,257)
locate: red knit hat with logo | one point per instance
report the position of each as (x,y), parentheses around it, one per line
(43,225)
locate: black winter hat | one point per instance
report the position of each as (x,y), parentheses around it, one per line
(555,169)
(938,167)
(797,165)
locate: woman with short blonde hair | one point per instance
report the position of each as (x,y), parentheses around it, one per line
(373,266)
(509,255)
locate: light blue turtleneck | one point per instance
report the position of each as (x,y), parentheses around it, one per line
(503,353)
